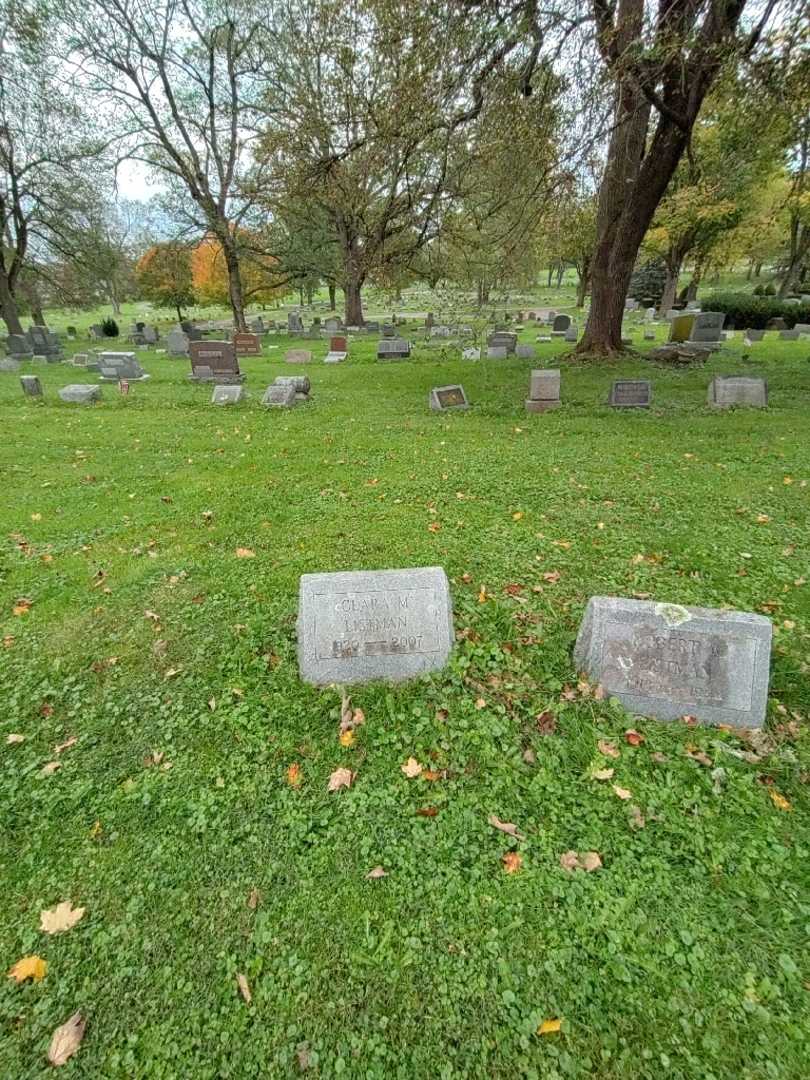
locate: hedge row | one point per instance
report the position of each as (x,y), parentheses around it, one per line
(746,312)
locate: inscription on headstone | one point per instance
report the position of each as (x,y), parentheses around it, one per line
(667,661)
(448,397)
(247,345)
(227,395)
(363,625)
(728,390)
(631,394)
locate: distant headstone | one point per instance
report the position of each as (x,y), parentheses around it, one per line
(666,661)
(214,360)
(442,398)
(9,363)
(571,334)
(151,335)
(332,325)
(707,329)
(631,394)
(728,390)
(525,352)
(247,344)
(649,314)
(297,356)
(18,347)
(649,334)
(496,352)
(752,336)
(281,395)
(80,393)
(561,324)
(802,327)
(177,343)
(299,383)
(789,335)
(227,395)
(44,343)
(503,339)
(393,349)
(631,305)
(294,324)
(681,327)
(470,354)
(120,365)
(364,625)
(544,390)
(338,350)
(692,305)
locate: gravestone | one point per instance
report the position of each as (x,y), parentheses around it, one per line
(631,305)
(503,339)
(120,365)
(362,625)
(525,352)
(257,325)
(649,314)
(247,345)
(31,385)
(332,325)
(294,324)
(681,327)
(728,390)
(649,334)
(442,398)
(470,354)
(802,327)
(789,335)
(44,343)
(560,325)
(297,356)
(177,343)
(544,390)
(95,332)
(151,335)
(707,329)
(631,394)
(214,360)
(753,335)
(571,334)
(393,349)
(496,352)
(18,347)
(338,350)
(299,383)
(80,393)
(776,324)
(279,394)
(9,363)
(666,661)
(71,333)
(227,395)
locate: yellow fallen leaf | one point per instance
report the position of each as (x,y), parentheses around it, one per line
(347,738)
(245,553)
(96,830)
(244,988)
(549,1027)
(482,596)
(411,768)
(517,515)
(779,801)
(62,917)
(30,967)
(67,1039)
(505,827)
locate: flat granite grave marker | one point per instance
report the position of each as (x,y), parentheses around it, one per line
(280,394)
(668,661)
(630,394)
(31,385)
(728,390)
(80,393)
(297,356)
(442,398)
(393,349)
(227,395)
(362,625)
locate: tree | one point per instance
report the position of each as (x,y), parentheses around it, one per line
(163,275)
(211,279)
(184,75)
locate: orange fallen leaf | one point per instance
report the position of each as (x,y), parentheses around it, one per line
(293,774)
(244,988)
(347,738)
(698,755)
(427,811)
(512,861)
(67,1039)
(635,738)
(434,527)
(22,606)
(482,595)
(340,778)
(245,553)
(779,801)
(411,768)
(60,918)
(549,1027)
(30,967)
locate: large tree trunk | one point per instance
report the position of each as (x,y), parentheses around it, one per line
(584,281)
(8,308)
(235,293)
(670,287)
(353,312)
(332,291)
(800,248)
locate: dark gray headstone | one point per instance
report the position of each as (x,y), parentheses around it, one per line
(561,324)
(31,385)
(789,335)
(177,343)
(393,349)
(525,352)
(18,346)
(631,394)
(668,661)
(708,327)
(753,335)
(363,625)
(442,398)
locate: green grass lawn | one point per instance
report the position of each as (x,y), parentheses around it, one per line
(171,661)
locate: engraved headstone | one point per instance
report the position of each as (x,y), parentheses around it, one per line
(525,352)
(227,395)
(571,334)
(297,356)
(280,394)
(393,349)
(728,390)
(707,328)
(668,661)
(631,394)
(503,339)
(363,625)
(18,346)
(753,335)
(247,345)
(561,324)
(216,357)
(80,393)
(544,390)
(151,335)
(681,327)
(442,398)
(177,343)
(299,383)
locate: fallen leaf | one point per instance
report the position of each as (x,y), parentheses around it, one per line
(340,778)
(659,757)
(153,615)
(514,589)
(22,606)
(67,1039)
(482,596)
(517,515)
(623,793)
(607,748)
(779,801)
(50,768)
(294,774)
(253,899)
(552,576)
(602,774)
(505,827)
(244,988)
(480,703)
(13,739)
(590,861)
(376,873)
(303,1056)
(155,758)
(529,756)
(546,723)
(635,738)
(427,811)
(8,641)
(347,738)
(30,967)
(512,862)
(549,1027)
(636,818)
(62,917)
(569,861)
(65,745)
(96,830)
(699,755)
(245,553)
(411,768)
(434,527)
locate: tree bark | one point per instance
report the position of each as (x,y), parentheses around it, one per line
(8,307)
(353,312)
(332,291)
(584,281)
(235,293)
(670,288)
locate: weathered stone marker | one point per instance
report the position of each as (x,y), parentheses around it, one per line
(80,393)
(668,661)
(442,398)
(728,390)
(31,385)
(544,390)
(361,625)
(630,394)
(281,395)
(228,395)
(247,344)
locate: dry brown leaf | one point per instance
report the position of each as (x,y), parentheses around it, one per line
(505,827)
(529,756)
(30,967)
(293,774)
(569,861)
(659,757)
(512,862)
(636,818)
(303,1056)
(151,615)
(245,553)
(154,758)
(779,801)
(50,768)
(427,811)
(590,861)
(244,988)
(699,755)
(634,738)
(254,899)
(62,917)
(546,723)
(376,873)
(13,739)
(65,745)
(609,749)
(341,778)
(603,774)
(411,768)
(622,793)
(480,703)
(67,1039)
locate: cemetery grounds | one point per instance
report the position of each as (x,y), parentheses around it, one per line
(173,775)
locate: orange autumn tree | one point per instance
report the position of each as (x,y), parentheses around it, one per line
(209,273)
(163,275)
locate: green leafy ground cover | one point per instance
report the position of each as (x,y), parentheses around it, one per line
(171,661)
